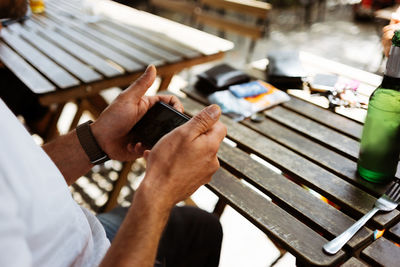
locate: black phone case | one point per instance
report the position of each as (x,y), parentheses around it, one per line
(157,122)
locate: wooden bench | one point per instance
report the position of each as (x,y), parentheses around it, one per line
(247,18)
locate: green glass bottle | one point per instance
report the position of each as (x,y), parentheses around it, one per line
(380,142)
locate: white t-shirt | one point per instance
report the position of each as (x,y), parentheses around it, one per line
(40,223)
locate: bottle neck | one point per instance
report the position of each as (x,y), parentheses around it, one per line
(391,79)
(393,63)
(390,83)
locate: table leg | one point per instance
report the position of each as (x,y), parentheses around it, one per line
(51,130)
(165,81)
(219,207)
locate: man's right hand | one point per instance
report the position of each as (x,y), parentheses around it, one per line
(185,159)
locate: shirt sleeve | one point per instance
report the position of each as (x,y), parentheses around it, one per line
(14,250)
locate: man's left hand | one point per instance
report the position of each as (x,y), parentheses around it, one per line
(111,129)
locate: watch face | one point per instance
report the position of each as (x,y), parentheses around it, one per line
(157,122)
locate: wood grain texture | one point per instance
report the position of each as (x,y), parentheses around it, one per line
(306,244)
(352,199)
(25,72)
(94,46)
(312,211)
(315,130)
(84,55)
(382,252)
(41,62)
(325,117)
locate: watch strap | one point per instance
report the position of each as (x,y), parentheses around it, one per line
(89,144)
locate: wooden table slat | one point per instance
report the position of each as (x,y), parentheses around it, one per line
(382,252)
(319,154)
(93,45)
(394,233)
(326,117)
(157,39)
(316,152)
(317,214)
(77,68)
(51,70)
(337,190)
(31,77)
(78,51)
(148,48)
(354,262)
(267,217)
(315,130)
(112,43)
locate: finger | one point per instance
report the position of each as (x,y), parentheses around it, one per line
(217,132)
(146,154)
(203,121)
(169,99)
(139,149)
(172,101)
(137,89)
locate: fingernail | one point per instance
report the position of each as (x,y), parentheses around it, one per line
(148,68)
(213,111)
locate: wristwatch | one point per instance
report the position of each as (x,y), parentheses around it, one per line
(90,145)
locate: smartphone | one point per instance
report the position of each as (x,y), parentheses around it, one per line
(159,120)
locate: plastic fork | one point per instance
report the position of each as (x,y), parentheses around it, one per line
(387,202)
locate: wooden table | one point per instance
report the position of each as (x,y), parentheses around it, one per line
(294,176)
(75,50)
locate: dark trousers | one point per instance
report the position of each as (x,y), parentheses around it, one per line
(191,238)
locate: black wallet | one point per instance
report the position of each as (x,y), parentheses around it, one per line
(285,70)
(220,78)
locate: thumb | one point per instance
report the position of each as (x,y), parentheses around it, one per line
(137,89)
(203,121)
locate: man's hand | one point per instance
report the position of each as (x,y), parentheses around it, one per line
(186,158)
(112,127)
(177,165)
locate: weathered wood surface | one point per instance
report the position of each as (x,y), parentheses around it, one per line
(62,55)
(306,245)
(306,157)
(25,72)
(354,262)
(394,233)
(382,252)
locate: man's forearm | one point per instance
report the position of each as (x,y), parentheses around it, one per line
(67,153)
(137,240)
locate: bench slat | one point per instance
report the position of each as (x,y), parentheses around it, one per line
(57,15)
(325,117)
(78,51)
(81,71)
(25,72)
(322,217)
(315,130)
(51,70)
(381,252)
(95,46)
(337,190)
(158,39)
(140,44)
(394,233)
(268,217)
